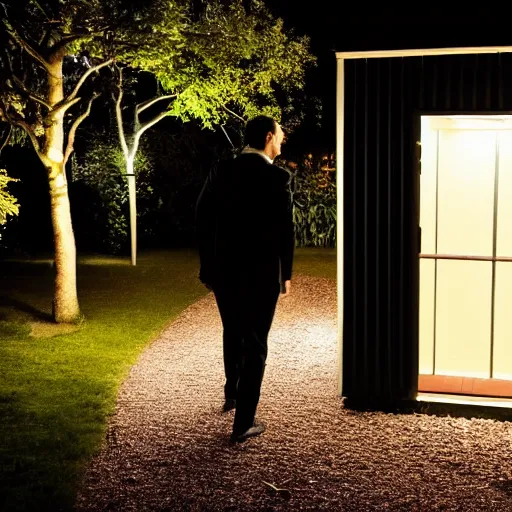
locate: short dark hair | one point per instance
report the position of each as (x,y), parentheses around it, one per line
(256,131)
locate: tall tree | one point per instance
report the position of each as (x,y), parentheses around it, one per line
(33,96)
(211,60)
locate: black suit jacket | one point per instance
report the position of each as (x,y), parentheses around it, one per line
(245,225)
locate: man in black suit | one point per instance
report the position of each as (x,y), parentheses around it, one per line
(246,244)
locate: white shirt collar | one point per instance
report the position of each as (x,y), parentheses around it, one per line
(248,149)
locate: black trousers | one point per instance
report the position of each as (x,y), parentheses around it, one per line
(247,316)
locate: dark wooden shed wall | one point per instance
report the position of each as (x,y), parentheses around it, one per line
(383,102)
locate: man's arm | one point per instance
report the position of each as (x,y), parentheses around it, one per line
(205,230)
(287,241)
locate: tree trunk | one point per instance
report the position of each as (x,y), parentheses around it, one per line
(65,302)
(133,206)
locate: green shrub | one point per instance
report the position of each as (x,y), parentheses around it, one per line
(100,195)
(8,204)
(314,201)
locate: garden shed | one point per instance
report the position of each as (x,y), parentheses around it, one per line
(424,162)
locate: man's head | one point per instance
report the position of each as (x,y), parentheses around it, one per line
(263,133)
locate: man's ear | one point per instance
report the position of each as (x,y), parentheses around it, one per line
(269,137)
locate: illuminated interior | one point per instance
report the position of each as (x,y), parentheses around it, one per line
(466,223)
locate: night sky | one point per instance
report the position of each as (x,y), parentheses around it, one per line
(361,26)
(340,26)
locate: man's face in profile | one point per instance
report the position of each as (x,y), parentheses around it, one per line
(275,141)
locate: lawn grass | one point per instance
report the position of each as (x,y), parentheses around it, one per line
(315,262)
(58,388)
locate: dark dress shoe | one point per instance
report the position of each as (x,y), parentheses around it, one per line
(257,429)
(229,405)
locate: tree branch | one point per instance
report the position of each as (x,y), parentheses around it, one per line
(24,44)
(85,76)
(74,127)
(4,116)
(149,124)
(46,37)
(58,47)
(119,115)
(63,105)
(30,132)
(210,33)
(38,5)
(233,113)
(6,141)
(7,60)
(124,44)
(146,104)
(32,52)
(29,93)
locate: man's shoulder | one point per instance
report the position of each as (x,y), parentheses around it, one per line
(258,161)
(251,159)
(253,165)
(283,175)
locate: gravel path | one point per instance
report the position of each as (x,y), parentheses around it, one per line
(167,445)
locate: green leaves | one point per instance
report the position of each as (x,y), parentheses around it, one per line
(219,58)
(215,56)
(314,203)
(8,204)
